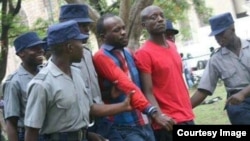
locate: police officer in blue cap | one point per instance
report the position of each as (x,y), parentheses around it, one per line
(58,103)
(79,13)
(171,32)
(29,47)
(231,64)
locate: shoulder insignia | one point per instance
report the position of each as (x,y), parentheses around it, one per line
(39,67)
(9,77)
(215,51)
(86,48)
(40,76)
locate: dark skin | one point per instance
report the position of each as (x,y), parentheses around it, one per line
(116,36)
(229,40)
(35,54)
(84,28)
(154,22)
(72,52)
(170,35)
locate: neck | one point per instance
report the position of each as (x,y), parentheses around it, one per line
(159,39)
(235,45)
(63,63)
(31,69)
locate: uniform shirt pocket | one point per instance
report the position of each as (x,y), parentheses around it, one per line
(65,105)
(230,77)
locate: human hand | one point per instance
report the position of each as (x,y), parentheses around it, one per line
(126,102)
(235,99)
(164,121)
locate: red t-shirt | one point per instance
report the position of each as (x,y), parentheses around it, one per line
(169,89)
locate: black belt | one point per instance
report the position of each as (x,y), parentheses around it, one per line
(232,92)
(75,135)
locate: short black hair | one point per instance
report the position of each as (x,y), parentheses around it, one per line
(100,23)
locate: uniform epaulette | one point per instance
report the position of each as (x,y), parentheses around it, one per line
(39,67)
(9,77)
(216,50)
(87,49)
(40,76)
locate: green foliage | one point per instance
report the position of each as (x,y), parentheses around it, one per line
(102,6)
(203,12)
(173,9)
(40,26)
(19,26)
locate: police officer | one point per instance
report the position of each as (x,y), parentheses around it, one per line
(79,13)
(171,32)
(28,47)
(231,64)
(58,102)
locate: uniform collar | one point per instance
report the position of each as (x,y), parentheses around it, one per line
(244,44)
(55,71)
(23,71)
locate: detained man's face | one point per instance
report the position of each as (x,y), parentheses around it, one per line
(155,21)
(115,33)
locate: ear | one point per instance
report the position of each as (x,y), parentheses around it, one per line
(21,53)
(69,48)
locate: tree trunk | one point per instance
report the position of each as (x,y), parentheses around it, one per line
(6,21)
(124,10)
(134,23)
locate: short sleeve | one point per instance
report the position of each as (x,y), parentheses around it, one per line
(36,106)
(12,100)
(209,78)
(143,61)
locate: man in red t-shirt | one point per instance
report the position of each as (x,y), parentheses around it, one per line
(160,66)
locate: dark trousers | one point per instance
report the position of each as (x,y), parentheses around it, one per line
(106,129)
(239,114)
(163,135)
(21,135)
(80,135)
(136,132)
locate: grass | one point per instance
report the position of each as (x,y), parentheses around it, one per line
(212,114)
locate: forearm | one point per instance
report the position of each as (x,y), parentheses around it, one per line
(198,97)
(107,109)
(11,126)
(246,91)
(31,134)
(108,70)
(153,101)
(12,133)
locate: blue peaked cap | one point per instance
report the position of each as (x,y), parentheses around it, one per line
(220,23)
(169,26)
(63,32)
(77,12)
(27,40)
